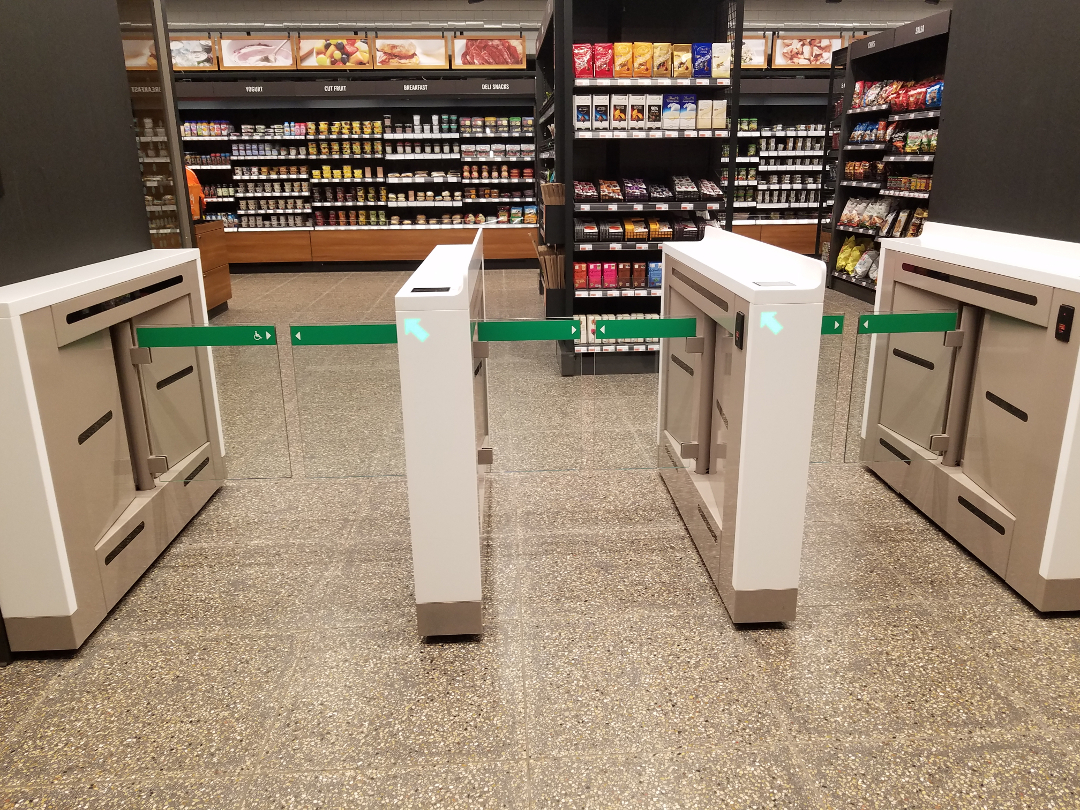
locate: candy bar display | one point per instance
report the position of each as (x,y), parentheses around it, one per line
(610,230)
(606,60)
(585,230)
(585,191)
(635,190)
(685,189)
(610,191)
(658,192)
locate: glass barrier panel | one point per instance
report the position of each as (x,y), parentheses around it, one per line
(239,365)
(348,399)
(901,380)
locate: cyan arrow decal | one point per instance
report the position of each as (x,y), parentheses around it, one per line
(768,321)
(413,327)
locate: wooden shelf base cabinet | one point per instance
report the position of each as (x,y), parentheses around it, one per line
(796,238)
(214,254)
(376,245)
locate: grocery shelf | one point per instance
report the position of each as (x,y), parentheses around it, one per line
(908,158)
(203,138)
(853,229)
(318,158)
(207,166)
(627,246)
(795,186)
(747,159)
(791,221)
(236,136)
(816,167)
(272,194)
(796,133)
(164,230)
(274,211)
(874,108)
(304,156)
(636,292)
(339,180)
(911,116)
(865,146)
(918,195)
(744,204)
(861,183)
(155,159)
(406,180)
(223,199)
(341,137)
(354,204)
(652,82)
(648,206)
(640,134)
(423,156)
(269,228)
(482,180)
(264,178)
(748,133)
(744,183)
(790,205)
(869,283)
(428,136)
(154,208)
(790,153)
(425,204)
(523,137)
(592,348)
(497,159)
(518,200)
(433,226)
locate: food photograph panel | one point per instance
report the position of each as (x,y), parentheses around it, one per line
(754,51)
(404,53)
(193,52)
(333,52)
(804,51)
(480,52)
(139,52)
(272,52)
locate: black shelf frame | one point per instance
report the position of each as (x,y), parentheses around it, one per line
(909,52)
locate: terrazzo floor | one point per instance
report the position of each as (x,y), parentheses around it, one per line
(269,658)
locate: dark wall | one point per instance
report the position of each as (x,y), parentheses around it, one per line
(1007,153)
(71,189)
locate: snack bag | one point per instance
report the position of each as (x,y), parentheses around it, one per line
(866,261)
(623,67)
(643,60)
(857,95)
(934,91)
(604,60)
(583,61)
(845,252)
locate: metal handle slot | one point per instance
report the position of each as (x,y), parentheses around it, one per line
(980,514)
(698,288)
(682,365)
(120,300)
(124,543)
(94,428)
(175,377)
(971,284)
(196,471)
(894,451)
(1008,407)
(913,358)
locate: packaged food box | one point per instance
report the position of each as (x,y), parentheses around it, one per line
(654,111)
(635,190)
(637,112)
(516,216)
(672,110)
(624,275)
(611,275)
(583,112)
(704,113)
(661,60)
(638,274)
(595,276)
(719,114)
(687,110)
(682,65)
(530,214)
(601,112)
(623,67)
(655,275)
(603,60)
(702,59)
(620,112)
(583,63)
(643,60)
(585,191)
(611,191)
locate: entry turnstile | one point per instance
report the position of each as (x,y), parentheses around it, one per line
(444,406)
(737,409)
(108,450)
(977,426)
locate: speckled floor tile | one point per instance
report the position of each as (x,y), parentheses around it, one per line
(756,778)
(852,670)
(842,566)
(636,682)
(189,791)
(152,704)
(23,685)
(946,770)
(380,696)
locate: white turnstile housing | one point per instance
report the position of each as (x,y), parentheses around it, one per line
(444,404)
(107,452)
(737,409)
(978,427)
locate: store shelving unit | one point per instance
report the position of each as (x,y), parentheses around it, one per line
(654,155)
(374,183)
(912,52)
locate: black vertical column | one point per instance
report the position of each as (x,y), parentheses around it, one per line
(71,193)
(1007,158)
